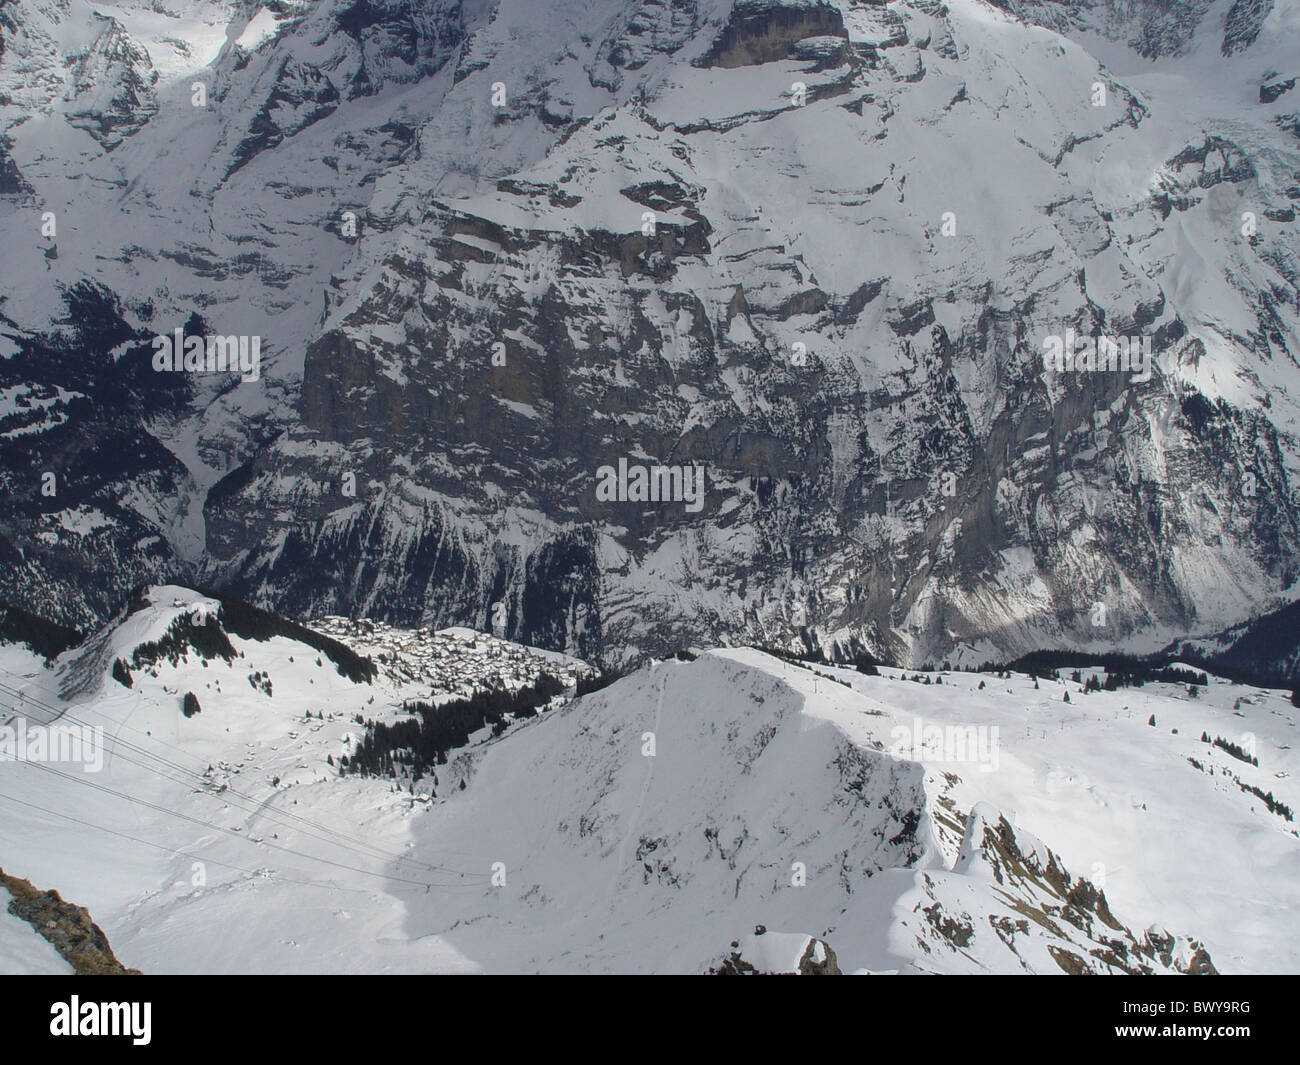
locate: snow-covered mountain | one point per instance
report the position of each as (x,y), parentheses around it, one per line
(815,248)
(729,812)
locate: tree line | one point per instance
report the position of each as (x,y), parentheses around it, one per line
(412,748)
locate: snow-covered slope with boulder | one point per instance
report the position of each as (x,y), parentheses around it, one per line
(22,950)
(814,247)
(42,934)
(902,822)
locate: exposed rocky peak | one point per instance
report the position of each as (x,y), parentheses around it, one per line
(399,42)
(1243,23)
(355,50)
(655,27)
(31,55)
(110,89)
(302,94)
(1274,88)
(1152,28)
(1199,167)
(1044,907)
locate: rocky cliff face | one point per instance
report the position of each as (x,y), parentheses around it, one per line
(1033,886)
(66,927)
(1152,28)
(814,248)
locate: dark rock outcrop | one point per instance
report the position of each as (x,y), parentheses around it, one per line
(67,927)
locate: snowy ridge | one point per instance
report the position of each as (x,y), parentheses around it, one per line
(645,826)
